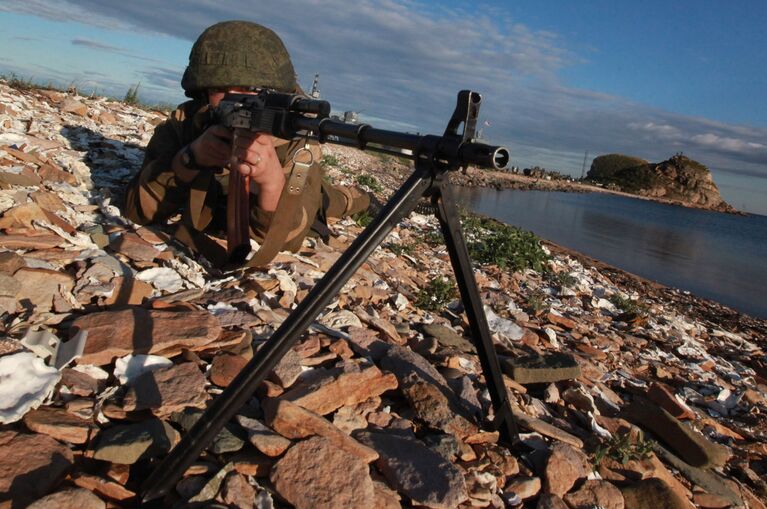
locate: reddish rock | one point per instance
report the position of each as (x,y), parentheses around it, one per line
(664,396)
(316,474)
(287,371)
(237,492)
(710,501)
(264,439)
(128,291)
(70,498)
(433,407)
(294,422)
(225,368)
(524,487)
(30,466)
(10,262)
(551,501)
(38,286)
(417,471)
(167,390)
(59,424)
(69,105)
(78,383)
(595,494)
(565,466)
(562,321)
(652,494)
(117,333)
(134,247)
(103,487)
(52,173)
(339,389)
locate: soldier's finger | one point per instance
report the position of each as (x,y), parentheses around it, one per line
(264,139)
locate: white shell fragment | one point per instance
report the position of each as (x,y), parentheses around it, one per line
(162,278)
(25,382)
(130,367)
(504,329)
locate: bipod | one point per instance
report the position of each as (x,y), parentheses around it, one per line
(433,161)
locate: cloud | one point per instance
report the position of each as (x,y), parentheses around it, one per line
(401,63)
(100,46)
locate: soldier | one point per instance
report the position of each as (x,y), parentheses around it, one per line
(187,163)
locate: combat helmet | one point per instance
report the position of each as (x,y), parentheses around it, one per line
(238,54)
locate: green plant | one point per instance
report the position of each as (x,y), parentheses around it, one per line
(492,242)
(536,301)
(131,96)
(329,160)
(564,279)
(622,448)
(362,218)
(370,182)
(399,249)
(628,305)
(438,293)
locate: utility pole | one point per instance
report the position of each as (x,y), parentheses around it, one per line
(583,168)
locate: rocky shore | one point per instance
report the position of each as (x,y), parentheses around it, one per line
(627,394)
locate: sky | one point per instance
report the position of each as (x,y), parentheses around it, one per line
(558,78)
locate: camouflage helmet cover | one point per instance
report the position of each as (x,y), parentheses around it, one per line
(238,54)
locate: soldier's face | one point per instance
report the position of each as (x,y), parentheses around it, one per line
(215,95)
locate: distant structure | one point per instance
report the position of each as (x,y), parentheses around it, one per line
(351,117)
(583,168)
(315,93)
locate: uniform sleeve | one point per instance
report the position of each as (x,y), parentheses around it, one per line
(154,194)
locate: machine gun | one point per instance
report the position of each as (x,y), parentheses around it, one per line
(288,116)
(434,156)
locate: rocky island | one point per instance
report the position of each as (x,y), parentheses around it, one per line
(113,339)
(679,179)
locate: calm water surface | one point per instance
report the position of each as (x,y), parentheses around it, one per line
(719,256)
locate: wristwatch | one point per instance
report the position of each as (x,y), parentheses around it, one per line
(188,160)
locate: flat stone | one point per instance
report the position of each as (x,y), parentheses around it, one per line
(564,467)
(366,343)
(10,262)
(316,474)
(690,445)
(545,429)
(128,291)
(134,247)
(128,443)
(595,493)
(433,407)
(104,487)
(59,424)
(524,487)
(237,492)
(9,287)
(342,388)
(664,397)
(39,286)
(562,321)
(263,438)
(48,201)
(293,421)
(69,105)
(448,337)
(225,368)
(78,383)
(49,172)
(226,441)
(652,494)
(137,330)
(70,498)
(287,371)
(167,390)
(31,465)
(551,501)
(533,369)
(417,471)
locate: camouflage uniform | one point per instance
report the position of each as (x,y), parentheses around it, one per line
(155,194)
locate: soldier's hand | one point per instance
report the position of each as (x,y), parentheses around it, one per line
(253,155)
(213,148)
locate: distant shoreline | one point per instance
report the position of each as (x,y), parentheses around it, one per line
(502,180)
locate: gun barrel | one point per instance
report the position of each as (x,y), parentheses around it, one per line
(467,153)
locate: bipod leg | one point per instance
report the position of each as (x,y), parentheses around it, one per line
(450,223)
(242,388)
